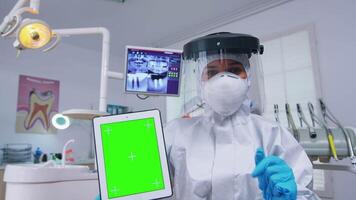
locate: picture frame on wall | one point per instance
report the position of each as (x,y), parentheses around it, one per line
(37,102)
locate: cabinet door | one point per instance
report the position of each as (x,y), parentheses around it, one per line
(2,185)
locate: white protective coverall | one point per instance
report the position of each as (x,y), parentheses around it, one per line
(212,156)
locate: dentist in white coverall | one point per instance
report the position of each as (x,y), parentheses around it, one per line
(228,153)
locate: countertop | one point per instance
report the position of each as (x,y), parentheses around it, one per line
(79,162)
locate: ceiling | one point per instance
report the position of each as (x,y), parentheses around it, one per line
(142,22)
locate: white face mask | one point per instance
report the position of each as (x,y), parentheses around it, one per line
(225,93)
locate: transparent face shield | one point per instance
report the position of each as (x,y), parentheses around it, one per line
(234,64)
(196,72)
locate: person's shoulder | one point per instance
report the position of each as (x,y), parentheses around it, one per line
(181,122)
(268,127)
(258,119)
(179,128)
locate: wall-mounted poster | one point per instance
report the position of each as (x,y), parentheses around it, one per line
(36,104)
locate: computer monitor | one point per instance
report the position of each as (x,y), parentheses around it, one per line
(153,71)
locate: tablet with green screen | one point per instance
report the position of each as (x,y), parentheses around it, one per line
(131,156)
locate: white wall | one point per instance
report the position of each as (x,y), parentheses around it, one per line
(335,32)
(78,71)
(335,28)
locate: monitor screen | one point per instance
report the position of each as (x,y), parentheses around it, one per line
(153,71)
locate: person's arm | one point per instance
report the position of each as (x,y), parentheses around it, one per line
(283,145)
(169,136)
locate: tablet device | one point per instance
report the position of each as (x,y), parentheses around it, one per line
(131,156)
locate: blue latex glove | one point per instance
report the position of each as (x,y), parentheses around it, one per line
(98,197)
(275,177)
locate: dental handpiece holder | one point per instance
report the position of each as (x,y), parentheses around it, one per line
(319,149)
(319,146)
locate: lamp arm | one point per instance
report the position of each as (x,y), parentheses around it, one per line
(105,73)
(17,11)
(35,5)
(18,5)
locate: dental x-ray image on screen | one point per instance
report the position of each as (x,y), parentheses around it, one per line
(152,71)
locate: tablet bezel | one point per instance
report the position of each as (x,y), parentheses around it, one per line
(162,152)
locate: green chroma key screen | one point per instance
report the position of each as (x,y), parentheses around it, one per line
(131,157)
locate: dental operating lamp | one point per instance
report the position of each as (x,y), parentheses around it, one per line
(36,34)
